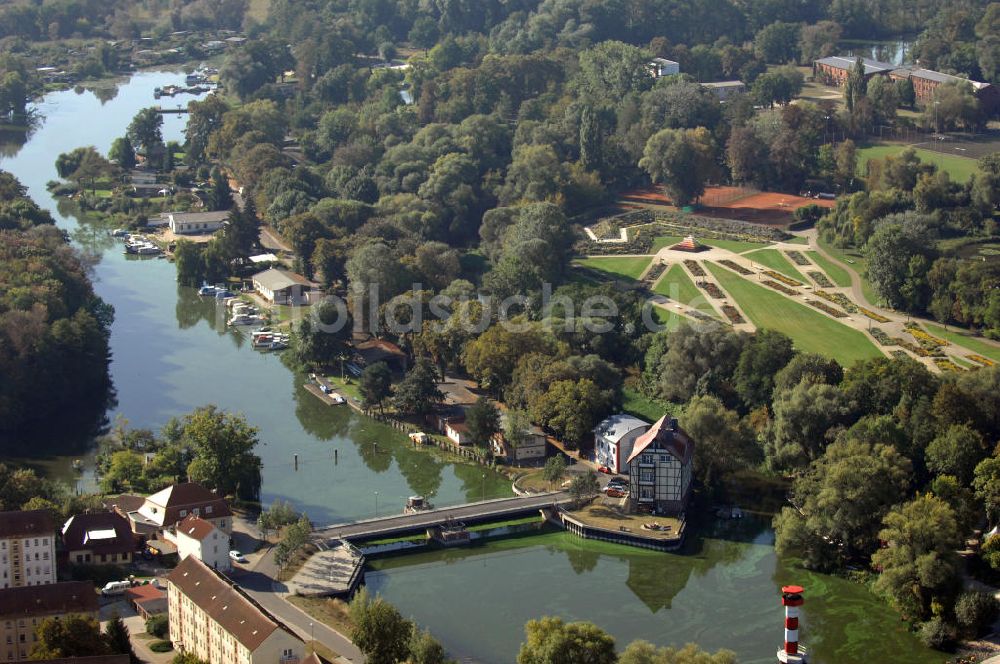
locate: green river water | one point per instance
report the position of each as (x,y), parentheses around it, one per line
(172,353)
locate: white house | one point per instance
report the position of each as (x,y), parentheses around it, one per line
(531,448)
(200,538)
(659,468)
(613,440)
(457,431)
(196,223)
(214,620)
(659,67)
(165,508)
(282,287)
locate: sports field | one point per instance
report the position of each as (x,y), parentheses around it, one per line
(761,207)
(959,168)
(836,273)
(775,260)
(677,285)
(629,267)
(810,330)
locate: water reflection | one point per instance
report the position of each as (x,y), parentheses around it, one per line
(893,52)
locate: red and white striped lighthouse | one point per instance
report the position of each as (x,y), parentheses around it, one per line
(792,653)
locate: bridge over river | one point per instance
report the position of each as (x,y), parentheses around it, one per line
(402,524)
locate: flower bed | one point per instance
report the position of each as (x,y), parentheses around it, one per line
(924,337)
(696,269)
(654,272)
(822,306)
(694,313)
(738,269)
(979,359)
(878,318)
(779,287)
(820,279)
(883,338)
(918,350)
(838,299)
(798,258)
(899,354)
(712,290)
(788,281)
(732,314)
(946,365)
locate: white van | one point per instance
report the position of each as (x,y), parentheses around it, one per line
(115,588)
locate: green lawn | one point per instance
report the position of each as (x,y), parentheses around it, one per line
(735,246)
(810,330)
(638,404)
(798,239)
(837,274)
(962,338)
(629,267)
(959,168)
(775,260)
(855,261)
(668,318)
(677,285)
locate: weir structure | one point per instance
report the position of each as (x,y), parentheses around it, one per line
(792,652)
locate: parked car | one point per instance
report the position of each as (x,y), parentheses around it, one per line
(237,557)
(115,588)
(615,492)
(604,469)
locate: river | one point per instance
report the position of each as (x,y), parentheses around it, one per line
(171,354)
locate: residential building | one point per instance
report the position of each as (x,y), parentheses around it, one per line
(196,223)
(23,609)
(370,351)
(103,537)
(926,81)
(197,537)
(216,621)
(282,287)
(529,450)
(725,90)
(614,438)
(166,508)
(27,548)
(457,431)
(660,468)
(835,69)
(659,67)
(148,600)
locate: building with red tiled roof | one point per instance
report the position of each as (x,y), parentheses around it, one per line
(166,508)
(23,609)
(27,548)
(197,537)
(660,468)
(216,621)
(148,600)
(102,537)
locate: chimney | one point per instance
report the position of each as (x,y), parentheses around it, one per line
(791,653)
(673,424)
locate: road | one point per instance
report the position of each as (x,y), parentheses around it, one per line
(400,523)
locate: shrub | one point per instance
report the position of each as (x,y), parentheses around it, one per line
(161,646)
(158,626)
(975,612)
(937,634)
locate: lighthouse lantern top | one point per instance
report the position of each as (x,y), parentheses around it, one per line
(792,590)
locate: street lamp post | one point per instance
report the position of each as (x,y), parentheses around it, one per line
(312,637)
(376,503)
(484,487)
(936,104)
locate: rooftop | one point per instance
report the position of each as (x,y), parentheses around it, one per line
(241,617)
(48,599)
(195,527)
(931,75)
(665,435)
(165,507)
(841,62)
(102,532)
(217,216)
(615,427)
(276,279)
(724,84)
(26,524)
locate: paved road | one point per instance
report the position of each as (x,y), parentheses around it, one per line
(391,525)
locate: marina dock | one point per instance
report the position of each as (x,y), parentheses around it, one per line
(323,390)
(330,572)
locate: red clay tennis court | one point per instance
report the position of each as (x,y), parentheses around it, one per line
(768,208)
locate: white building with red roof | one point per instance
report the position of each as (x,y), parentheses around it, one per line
(200,538)
(660,468)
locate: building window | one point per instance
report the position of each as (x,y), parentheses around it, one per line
(208,509)
(646,492)
(184,513)
(45,542)
(645,474)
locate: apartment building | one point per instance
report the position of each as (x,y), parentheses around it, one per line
(22,609)
(216,621)
(27,549)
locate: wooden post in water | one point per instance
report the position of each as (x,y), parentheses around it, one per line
(335,457)
(296,458)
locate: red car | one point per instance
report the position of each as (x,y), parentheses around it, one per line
(604,469)
(614,492)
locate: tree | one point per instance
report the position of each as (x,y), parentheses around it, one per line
(145,131)
(584,487)
(375,385)
(612,70)
(889,251)
(841,499)
(554,469)
(117,637)
(324,335)
(778,43)
(956,451)
(69,636)
(920,564)
(378,629)
(695,358)
(124,473)
(417,393)
(682,161)
(551,641)
(221,195)
(425,649)
(570,409)
(222,445)
(856,86)
(643,652)
(483,420)
(516,427)
(955,106)
(765,354)
(975,612)
(722,441)
(986,482)
(802,418)
(122,152)
(158,625)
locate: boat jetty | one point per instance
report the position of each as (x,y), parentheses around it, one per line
(324,391)
(137,244)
